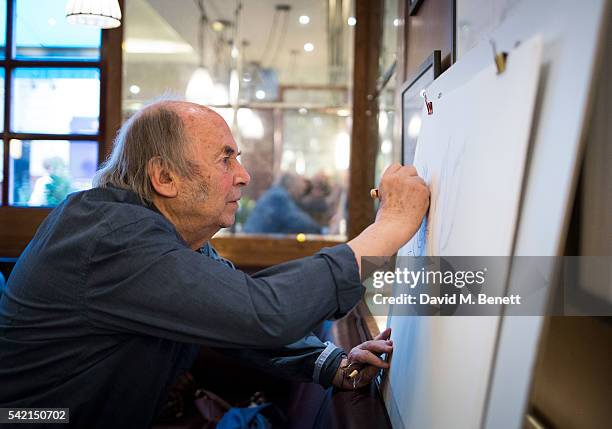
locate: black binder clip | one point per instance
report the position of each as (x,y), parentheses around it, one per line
(500,58)
(428,103)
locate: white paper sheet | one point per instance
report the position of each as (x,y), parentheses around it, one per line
(472,153)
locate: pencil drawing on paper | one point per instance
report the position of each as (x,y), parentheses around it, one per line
(433,235)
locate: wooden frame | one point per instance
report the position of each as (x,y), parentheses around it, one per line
(412,102)
(255,251)
(9,63)
(364,135)
(453,53)
(430,28)
(571,295)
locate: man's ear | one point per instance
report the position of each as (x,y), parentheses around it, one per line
(162,179)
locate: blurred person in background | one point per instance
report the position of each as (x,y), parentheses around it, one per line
(277,210)
(52,188)
(322,199)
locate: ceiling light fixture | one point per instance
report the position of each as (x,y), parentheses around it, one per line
(308,47)
(234,87)
(351,21)
(342,151)
(304,19)
(217,26)
(201,85)
(103,14)
(251,125)
(277,35)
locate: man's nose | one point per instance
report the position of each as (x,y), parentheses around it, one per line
(242,177)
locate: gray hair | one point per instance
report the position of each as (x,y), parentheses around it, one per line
(155,131)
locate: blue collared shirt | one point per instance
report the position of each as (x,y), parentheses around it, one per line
(107,305)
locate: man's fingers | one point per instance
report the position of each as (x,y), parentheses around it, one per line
(395,167)
(392,168)
(384,335)
(411,170)
(367,357)
(420,180)
(377,346)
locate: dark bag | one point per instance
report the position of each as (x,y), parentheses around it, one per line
(179,398)
(211,408)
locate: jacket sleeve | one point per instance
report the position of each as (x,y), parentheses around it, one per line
(142,278)
(307,360)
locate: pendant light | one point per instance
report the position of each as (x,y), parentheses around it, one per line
(103,14)
(200,86)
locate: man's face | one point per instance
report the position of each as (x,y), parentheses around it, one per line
(211,196)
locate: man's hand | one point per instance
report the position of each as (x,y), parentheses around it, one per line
(404,198)
(365,359)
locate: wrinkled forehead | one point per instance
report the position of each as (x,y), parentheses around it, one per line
(208,132)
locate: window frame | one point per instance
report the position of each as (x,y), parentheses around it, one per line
(17,223)
(10,64)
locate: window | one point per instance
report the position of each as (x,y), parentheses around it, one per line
(291,83)
(50,80)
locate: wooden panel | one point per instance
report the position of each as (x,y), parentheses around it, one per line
(402,38)
(431,28)
(112,60)
(17,226)
(364,137)
(400,78)
(573,379)
(595,221)
(250,250)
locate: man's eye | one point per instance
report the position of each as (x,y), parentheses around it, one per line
(226,160)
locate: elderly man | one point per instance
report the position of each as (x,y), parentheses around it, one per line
(118,288)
